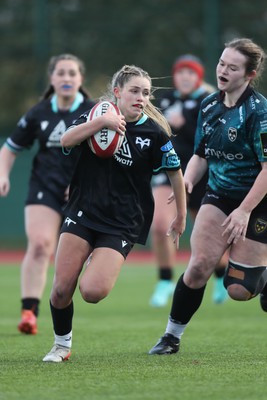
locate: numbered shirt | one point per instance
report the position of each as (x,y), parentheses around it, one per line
(114,195)
(44,124)
(234,141)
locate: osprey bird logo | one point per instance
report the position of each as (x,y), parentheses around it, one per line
(141,142)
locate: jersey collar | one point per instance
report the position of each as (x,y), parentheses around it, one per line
(142,120)
(242,98)
(75,105)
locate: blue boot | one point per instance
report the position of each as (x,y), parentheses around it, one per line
(219,294)
(162,293)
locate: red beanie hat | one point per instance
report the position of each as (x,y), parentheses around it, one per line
(189,61)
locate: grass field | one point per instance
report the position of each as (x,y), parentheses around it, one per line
(222,356)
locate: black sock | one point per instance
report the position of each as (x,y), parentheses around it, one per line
(62,319)
(185,302)
(31,303)
(165,273)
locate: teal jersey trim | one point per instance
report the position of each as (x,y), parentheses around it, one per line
(12,147)
(142,120)
(75,105)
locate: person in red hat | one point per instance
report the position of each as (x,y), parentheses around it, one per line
(180,106)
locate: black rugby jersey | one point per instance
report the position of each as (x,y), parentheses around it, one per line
(114,195)
(234,141)
(45,124)
(183,139)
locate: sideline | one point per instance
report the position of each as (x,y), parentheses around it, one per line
(16,256)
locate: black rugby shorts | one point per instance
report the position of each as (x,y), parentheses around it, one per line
(98,239)
(37,194)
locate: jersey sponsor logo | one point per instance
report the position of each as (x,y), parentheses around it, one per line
(252,103)
(207,128)
(142,142)
(68,221)
(55,135)
(209,152)
(241,116)
(124,243)
(124,156)
(232,134)
(260,226)
(209,106)
(264,144)
(44,125)
(22,122)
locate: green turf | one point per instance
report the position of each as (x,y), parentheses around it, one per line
(223,352)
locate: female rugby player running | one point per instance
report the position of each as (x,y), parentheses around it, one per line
(111,203)
(232,144)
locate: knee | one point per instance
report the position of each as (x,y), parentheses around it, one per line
(62,292)
(40,246)
(197,273)
(159,230)
(199,266)
(243,282)
(58,296)
(238,292)
(93,295)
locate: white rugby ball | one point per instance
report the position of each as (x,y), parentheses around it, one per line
(106,142)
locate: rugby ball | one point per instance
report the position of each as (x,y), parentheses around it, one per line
(106,142)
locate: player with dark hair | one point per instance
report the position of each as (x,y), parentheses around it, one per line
(180,106)
(231,143)
(111,203)
(64,101)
